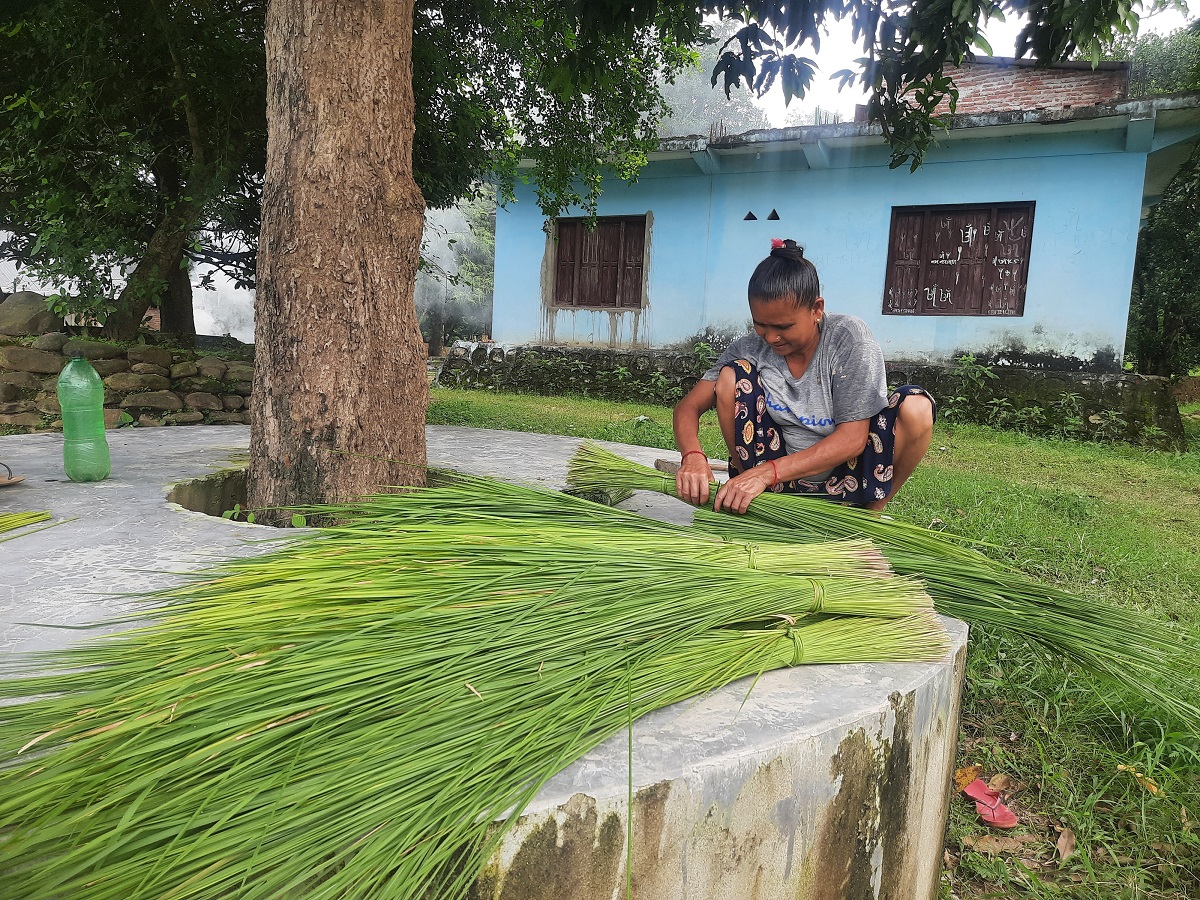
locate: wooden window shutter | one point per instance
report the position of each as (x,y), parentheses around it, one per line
(600,267)
(901,295)
(633,249)
(567,262)
(958,260)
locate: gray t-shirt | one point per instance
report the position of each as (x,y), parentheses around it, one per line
(844,382)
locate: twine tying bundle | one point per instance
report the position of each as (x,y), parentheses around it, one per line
(818,602)
(797,646)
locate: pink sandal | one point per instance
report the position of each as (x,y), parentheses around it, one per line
(988,805)
(5,482)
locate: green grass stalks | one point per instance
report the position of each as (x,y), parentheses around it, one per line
(589,526)
(347,716)
(1138,658)
(13,521)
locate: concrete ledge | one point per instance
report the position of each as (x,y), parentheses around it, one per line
(831,783)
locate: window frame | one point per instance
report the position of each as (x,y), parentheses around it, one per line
(982,305)
(622,264)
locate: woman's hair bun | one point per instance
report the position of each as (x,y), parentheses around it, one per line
(786,248)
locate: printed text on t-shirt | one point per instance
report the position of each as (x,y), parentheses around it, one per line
(803,420)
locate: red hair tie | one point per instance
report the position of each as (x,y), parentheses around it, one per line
(776,243)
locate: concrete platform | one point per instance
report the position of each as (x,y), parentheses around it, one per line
(829,783)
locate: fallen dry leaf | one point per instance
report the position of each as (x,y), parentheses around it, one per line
(1183,817)
(994,844)
(1143,780)
(1066,844)
(965,775)
(1001,784)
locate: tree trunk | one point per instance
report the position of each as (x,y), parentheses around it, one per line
(177,314)
(437,330)
(149,279)
(340,388)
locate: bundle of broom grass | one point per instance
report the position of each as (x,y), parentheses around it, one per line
(350,715)
(1139,659)
(13,521)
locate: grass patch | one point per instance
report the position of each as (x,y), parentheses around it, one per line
(628,423)
(1108,521)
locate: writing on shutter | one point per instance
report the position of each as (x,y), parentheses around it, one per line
(902,293)
(1009,242)
(958,260)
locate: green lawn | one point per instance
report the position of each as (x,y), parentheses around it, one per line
(1112,522)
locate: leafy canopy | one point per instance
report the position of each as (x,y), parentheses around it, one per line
(119,118)
(151,115)
(154,113)
(906,46)
(1164,309)
(694,107)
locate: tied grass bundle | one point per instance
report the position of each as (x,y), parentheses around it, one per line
(1138,657)
(13,521)
(590,526)
(347,716)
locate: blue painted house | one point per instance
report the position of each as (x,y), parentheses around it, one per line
(1014,241)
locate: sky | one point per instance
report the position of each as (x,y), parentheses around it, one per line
(839,52)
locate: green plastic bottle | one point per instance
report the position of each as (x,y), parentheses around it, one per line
(81,396)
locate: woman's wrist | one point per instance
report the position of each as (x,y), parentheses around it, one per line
(686,453)
(770,471)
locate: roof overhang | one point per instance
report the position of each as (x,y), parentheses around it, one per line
(1165,128)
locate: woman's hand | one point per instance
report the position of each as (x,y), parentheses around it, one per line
(694,475)
(693,478)
(735,494)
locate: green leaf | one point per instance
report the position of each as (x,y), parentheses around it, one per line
(298,521)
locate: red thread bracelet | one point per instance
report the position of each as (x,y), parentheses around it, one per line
(689,453)
(775,470)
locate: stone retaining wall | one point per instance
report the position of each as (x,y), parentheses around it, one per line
(1134,408)
(143,384)
(655,376)
(152,385)
(1187,390)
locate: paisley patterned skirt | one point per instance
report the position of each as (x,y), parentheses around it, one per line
(859,481)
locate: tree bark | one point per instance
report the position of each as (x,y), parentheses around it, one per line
(149,279)
(177,313)
(340,390)
(437,330)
